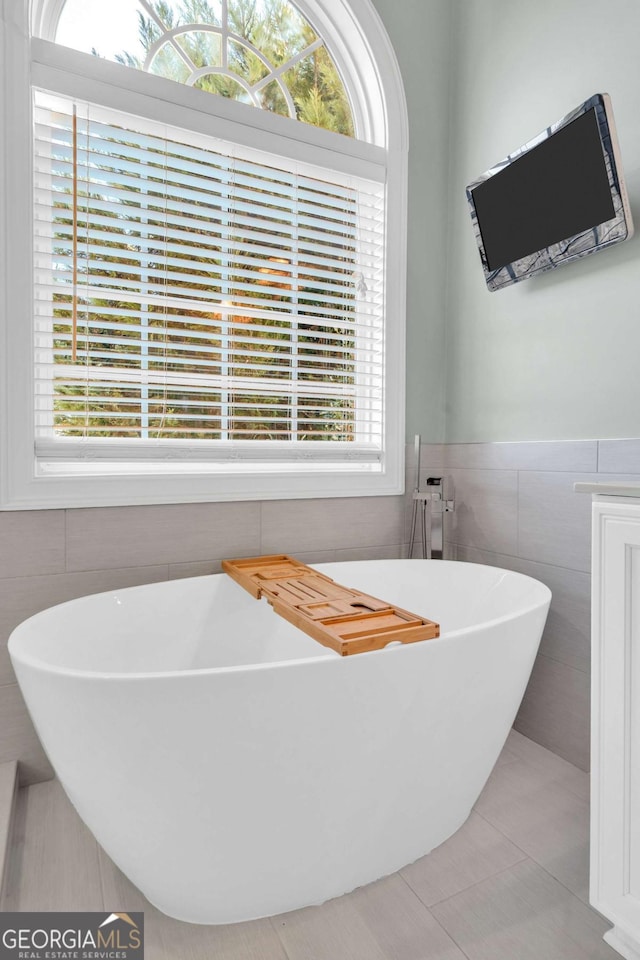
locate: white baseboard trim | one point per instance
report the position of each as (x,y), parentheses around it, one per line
(626,946)
(8,792)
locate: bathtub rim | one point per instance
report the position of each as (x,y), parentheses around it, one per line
(45,667)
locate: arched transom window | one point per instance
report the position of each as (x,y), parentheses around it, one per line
(259,52)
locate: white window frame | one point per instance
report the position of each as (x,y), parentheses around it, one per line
(362,51)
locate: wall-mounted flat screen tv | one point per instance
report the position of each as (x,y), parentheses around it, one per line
(556,199)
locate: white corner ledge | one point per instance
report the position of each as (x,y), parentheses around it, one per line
(611,488)
(625,945)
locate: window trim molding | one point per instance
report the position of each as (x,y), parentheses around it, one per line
(168,102)
(367,62)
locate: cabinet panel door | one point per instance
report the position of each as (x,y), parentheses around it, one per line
(615,839)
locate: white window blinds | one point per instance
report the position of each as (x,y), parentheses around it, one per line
(193,295)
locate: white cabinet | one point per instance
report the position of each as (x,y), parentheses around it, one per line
(615,726)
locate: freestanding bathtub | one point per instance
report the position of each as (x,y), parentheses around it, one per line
(233,768)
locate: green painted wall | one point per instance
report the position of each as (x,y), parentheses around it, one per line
(557,357)
(420,32)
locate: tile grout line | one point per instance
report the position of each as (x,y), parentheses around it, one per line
(513,556)
(502,834)
(100,875)
(15,860)
(470,886)
(571,666)
(65,527)
(518,723)
(519,468)
(556,756)
(557,779)
(518,515)
(506,760)
(9,815)
(529,856)
(280,940)
(433,916)
(93,570)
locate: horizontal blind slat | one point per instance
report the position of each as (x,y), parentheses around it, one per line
(243,249)
(234,348)
(144,183)
(57,127)
(238,384)
(177,256)
(156,449)
(237,312)
(219,297)
(242,229)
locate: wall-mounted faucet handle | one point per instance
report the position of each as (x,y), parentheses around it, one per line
(435,498)
(434,505)
(438,505)
(436,495)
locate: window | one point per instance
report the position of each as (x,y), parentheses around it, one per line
(259,52)
(217,307)
(186,292)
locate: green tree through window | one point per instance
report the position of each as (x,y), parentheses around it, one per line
(260,52)
(215,298)
(195,295)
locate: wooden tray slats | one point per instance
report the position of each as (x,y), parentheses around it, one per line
(253,572)
(346,620)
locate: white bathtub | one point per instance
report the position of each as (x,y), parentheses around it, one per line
(234,768)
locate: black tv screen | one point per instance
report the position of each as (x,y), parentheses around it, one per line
(558,198)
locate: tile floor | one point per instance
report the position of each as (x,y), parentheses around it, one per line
(510,885)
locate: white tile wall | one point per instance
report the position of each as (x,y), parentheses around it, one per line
(619,456)
(31,542)
(536,455)
(103,538)
(544,530)
(332,524)
(554,521)
(556,709)
(486,514)
(392,551)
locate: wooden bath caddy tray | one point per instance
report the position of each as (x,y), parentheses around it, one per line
(346,620)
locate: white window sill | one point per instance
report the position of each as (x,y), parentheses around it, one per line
(91,484)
